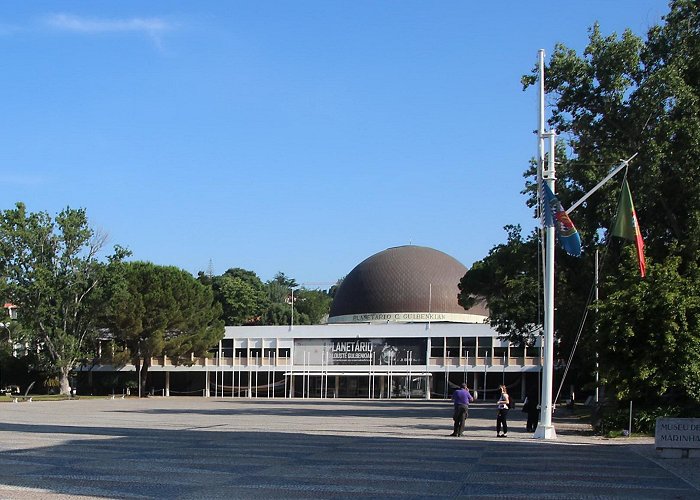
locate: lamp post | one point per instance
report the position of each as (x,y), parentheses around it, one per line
(291,323)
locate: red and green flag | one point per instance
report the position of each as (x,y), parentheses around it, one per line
(627,226)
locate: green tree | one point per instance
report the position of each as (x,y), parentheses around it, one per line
(52,272)
(651,340)
(507,279)
(161,310)
(242,295)
(628,95)
(312,306)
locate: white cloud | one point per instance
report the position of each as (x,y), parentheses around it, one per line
(22,179)
(79,24)
(152,27)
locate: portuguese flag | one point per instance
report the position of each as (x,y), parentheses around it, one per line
(627,226)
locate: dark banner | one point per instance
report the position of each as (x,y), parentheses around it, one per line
(376,351)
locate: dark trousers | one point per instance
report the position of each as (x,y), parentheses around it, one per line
(502,419)
(532,418)
(459,416)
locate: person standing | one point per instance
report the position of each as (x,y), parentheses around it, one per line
(532,409)
(502,416)
(461,399)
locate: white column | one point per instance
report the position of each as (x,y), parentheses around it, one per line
(167,384)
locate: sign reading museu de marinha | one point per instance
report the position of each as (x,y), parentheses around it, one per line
(677,433)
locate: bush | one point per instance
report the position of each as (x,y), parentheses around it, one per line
(614,418)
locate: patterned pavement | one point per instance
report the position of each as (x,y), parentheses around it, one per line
(233,448)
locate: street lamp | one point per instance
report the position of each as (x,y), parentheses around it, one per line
(291,325)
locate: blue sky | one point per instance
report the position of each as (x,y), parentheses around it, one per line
(299,137)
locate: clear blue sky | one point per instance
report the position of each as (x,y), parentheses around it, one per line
(293,136)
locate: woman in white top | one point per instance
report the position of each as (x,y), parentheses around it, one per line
(503,407)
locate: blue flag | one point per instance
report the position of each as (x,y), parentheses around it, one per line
(555,216)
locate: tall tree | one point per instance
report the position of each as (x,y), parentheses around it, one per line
(161,310)
(312,306)
(627,95)
(242,295)
(52,272)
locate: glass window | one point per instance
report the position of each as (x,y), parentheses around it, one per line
(437,347)
(532,352)
(269,352)
(452,346)
(285,352)
(517,351)
(468,346)
(499,352)
(484,346)
(256,353)
(241,352)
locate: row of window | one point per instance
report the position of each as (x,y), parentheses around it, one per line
(468,347)
(450,347)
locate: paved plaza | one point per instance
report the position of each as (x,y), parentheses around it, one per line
(274,448)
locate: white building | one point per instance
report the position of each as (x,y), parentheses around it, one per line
(395,330)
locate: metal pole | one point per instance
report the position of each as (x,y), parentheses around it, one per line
(629,432)
(410,365)
(371,376)
(503,380)
(546,430)
(486,359)
(597,390)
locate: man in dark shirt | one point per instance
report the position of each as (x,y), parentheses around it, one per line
(461,399)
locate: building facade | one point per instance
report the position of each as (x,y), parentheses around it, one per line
(395,330)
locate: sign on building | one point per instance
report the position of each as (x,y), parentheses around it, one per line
(360,351)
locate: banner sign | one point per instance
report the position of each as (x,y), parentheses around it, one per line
(376,351)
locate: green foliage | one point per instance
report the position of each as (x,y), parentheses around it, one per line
(242,295)
(611,419)
(623,95)
(312,306)
(650,330)
(53,274)
(161,310)
(507,279)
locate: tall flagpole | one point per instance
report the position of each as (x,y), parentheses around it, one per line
(546,430)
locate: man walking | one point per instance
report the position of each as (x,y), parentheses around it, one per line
(461,399)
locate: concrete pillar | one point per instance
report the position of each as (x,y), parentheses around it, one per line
(428,380)
(337,385)
(207,393)
(167,384)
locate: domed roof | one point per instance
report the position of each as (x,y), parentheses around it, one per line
(403,284)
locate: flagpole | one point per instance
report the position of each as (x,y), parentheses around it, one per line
(546,430)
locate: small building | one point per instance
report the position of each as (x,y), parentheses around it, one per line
(395,330)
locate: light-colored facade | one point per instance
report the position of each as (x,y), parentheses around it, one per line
(370,360)
(395,330)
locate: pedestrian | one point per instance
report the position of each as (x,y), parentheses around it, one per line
(532,409)
(502,416)
(461,399)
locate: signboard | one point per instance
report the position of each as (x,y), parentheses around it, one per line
(677,433)
(360,351)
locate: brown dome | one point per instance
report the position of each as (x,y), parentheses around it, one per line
(407,283)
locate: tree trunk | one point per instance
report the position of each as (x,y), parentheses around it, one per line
(145,364)
(64,381)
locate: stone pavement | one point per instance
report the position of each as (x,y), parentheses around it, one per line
(275,448)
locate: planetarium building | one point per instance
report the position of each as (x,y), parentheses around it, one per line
(395,330)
